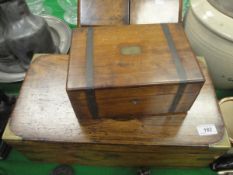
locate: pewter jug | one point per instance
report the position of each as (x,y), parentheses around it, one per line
(8,62)
(24,33)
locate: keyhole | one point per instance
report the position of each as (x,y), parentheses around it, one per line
(135,101)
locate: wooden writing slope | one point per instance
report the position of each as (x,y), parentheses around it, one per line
(44,127)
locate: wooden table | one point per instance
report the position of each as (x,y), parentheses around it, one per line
(44,127)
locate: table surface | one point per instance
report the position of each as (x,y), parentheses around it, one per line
(16,162)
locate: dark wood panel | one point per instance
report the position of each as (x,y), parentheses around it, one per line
(121,155)
(103,12)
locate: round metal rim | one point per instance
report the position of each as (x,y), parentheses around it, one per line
(10,78)
(62,29)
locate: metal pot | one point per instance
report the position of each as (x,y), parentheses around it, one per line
(24,33)
(8,62)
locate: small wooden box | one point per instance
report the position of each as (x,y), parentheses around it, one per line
(132,71)
(103,12)
(44,127)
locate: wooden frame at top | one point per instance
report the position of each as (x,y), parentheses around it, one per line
(155,11)
(79,12)
(102,13)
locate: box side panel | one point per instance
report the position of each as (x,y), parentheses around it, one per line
(80,104)
(135,107)
(135,101)
(187,96)
(146,101)
(77,63)
(117,155)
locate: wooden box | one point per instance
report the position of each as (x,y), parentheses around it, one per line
(103,12)
(153,12)
(132,71)
(44,127)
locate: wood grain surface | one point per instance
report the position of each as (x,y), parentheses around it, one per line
(44,119)
(124,12)
(131,69)
(153,65)
(103,12)
(154,11)
(118,155)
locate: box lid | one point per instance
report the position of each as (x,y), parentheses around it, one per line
(129,56)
